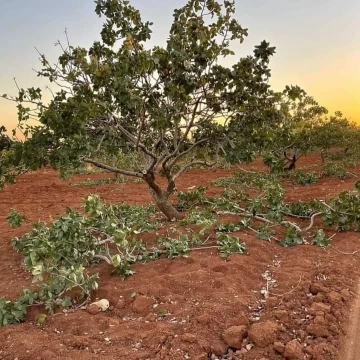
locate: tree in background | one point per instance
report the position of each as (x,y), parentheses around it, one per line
(303,126)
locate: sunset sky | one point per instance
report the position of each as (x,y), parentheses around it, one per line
(317,41)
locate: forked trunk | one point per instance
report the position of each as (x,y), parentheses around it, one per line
(165,206)
(161,198)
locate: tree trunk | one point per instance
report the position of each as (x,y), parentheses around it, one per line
(161,198)
(165,206)
(322,155)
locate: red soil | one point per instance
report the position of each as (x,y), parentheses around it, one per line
(213,302)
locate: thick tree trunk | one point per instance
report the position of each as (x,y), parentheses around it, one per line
(161,198)
(165,206)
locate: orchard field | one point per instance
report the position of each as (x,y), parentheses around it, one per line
(269,302)
(161,202)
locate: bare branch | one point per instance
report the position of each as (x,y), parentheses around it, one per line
(191,122)
(312,220)
(142,120)
(103,257)
(155,163)
(186,133)
(112,169)
(180,155)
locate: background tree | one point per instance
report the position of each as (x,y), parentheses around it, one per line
(338,134)
(296,115)
(153,98)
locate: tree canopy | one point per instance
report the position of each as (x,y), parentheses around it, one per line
(161,102)
(153,98)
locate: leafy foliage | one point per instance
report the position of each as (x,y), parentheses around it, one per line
(15,218)
(292,237)
(306,178)
(5,141)
(189,198)
(336,169)
(229,245)
(174,247)
(344,212)
(319,238)
(58,254)
(303,208)
(228,227)
(264,232)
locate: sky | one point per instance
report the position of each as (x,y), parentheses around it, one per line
(317,42)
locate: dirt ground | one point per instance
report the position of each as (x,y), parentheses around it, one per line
(217,310)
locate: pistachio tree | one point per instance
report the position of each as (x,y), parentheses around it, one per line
(293,133)
(336,133)
(303,126)
(161,101)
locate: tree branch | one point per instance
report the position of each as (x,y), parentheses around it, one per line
(142,120)
(131,137)
(186,133)
(112,169)
(312,220)
(180,155)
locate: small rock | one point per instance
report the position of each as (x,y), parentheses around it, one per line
(317,330)
(334,328)
(291,305)
(271,302)
(282,315)
(242,351)
(204,319)
(316,288)
(203,356)
(346,294)
(219,348)
(320,320)
(279,347)
(142,304)
(322,351)
(234,335)
(264,333)
(294,350)
(230,353)
(319,297)
(93,309)
(330,318)
(319,306)
(337,313)
(302,335)
(47,355)
(335,298)
(189,338)
(150,317)
(102,304)
(120,304)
